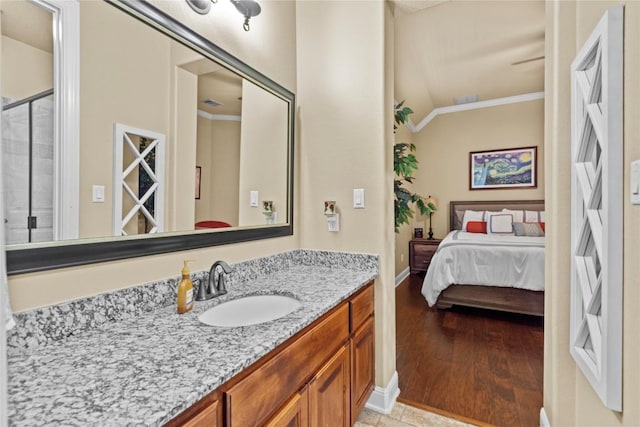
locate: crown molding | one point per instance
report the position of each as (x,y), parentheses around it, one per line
(473,106)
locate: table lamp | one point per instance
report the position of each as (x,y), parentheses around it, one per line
(434,202)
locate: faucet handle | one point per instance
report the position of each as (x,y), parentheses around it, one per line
(202,294)
(222,284)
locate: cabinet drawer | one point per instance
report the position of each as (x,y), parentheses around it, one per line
(362,306)
(424,251)
(421,251)
(253,399)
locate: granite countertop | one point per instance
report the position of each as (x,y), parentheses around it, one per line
(147,369)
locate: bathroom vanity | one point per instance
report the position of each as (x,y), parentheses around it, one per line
(128,358)
(321,376)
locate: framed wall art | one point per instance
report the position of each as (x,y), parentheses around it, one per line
(498,169)
(198,181)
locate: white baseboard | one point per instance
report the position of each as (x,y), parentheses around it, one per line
(544,421)
(403,275)
(383,398)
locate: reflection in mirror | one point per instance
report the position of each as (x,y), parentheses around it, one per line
(27,123)
(150,86)
(136,78)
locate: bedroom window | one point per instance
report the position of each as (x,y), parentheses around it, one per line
(596,209)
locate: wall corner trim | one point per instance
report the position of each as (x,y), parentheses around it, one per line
(544,421)
(383,399)
(474,106)
(403,275)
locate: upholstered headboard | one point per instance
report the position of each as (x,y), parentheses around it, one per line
(456,209)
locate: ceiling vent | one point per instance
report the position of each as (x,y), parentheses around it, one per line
(465,99)
(212,102)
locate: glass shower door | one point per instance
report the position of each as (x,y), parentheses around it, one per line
(27,164)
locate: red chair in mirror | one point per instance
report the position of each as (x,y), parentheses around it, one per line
(211,224)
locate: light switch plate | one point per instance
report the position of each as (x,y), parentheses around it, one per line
(254,196)
(97,194)
(358,198)
(635,182)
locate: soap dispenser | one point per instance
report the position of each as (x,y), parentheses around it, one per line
(185,290)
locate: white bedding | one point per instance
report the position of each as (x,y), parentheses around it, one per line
(485,259)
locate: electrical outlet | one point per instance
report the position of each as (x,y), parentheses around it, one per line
(333,223)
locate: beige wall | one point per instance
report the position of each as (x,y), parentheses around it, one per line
(112,93)
(263,154)
(219,157)
(568,398)
(26,70)
(345,120)
(269,38)
(204,159)
(443,148)
(182,151)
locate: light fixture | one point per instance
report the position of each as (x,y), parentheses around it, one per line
(200,6)
(433,201)
(248,8)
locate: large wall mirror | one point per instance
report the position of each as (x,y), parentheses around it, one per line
(179,145)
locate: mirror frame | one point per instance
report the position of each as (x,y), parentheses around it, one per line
(63,254)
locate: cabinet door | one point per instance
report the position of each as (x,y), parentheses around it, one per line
(207,417)
(250,402)
(362,367)
(295,413)
(329,393)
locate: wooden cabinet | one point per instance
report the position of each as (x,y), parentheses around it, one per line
(208,417)
(362,367)
(420,253)
(322,376)
(205,413)
(252,400)
(362,348)
(295,412)
(329,393)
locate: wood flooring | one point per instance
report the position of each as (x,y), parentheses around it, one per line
(480,364)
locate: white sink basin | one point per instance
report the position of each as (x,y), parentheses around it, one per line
(249,310)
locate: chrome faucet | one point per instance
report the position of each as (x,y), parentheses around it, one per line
(214,287)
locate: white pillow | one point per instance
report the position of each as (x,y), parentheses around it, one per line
(542,216)
(471,216)
(530,216)
(518,216)
(500,223)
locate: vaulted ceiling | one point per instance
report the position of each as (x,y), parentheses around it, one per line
(448,49)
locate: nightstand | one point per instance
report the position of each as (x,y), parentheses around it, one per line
(420,253)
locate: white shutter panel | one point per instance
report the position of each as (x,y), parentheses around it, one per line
(596,209)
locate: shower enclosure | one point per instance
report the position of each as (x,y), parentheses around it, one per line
(28,168)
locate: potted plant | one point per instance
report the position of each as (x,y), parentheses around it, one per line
(404,163)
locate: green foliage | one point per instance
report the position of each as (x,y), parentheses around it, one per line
(404,164)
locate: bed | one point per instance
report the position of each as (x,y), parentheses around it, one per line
(497,272)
